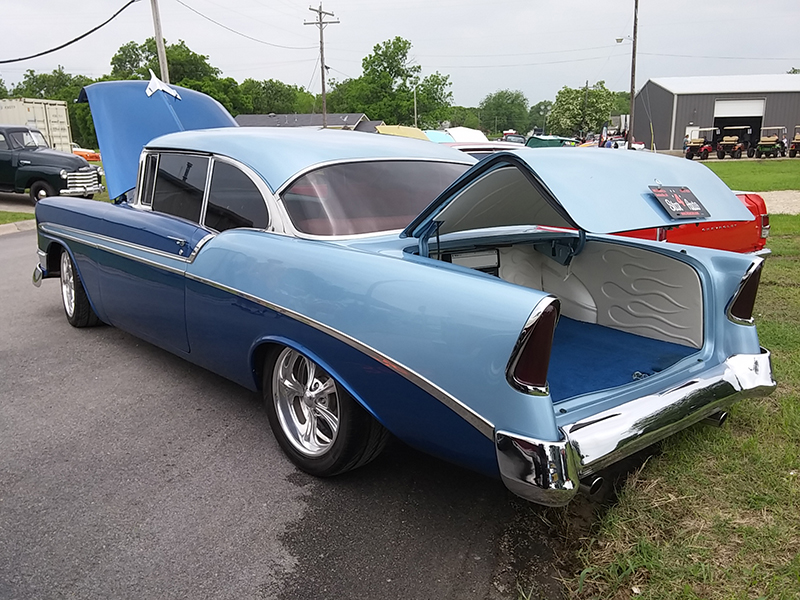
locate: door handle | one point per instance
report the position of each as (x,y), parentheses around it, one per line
(24,162)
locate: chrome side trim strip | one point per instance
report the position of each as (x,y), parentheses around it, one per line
(461,409)
(101,242)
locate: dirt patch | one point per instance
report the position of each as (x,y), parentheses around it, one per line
(785,202)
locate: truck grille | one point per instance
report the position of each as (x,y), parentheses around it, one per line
(79,180)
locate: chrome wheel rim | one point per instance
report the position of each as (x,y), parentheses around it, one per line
(67,284)
(306,401)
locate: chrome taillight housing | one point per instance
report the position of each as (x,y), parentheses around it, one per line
(530,360)
(740,308)
(764,226)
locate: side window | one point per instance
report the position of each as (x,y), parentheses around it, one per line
(150,165)
(3,142)
(180,183)
(234,200)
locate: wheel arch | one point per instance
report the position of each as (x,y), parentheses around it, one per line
(266,345)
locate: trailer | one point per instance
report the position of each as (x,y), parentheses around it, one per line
(48,116)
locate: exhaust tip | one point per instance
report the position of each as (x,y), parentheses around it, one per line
(717,419)
(592,487)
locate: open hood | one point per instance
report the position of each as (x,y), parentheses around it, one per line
(128,114)
(588,189)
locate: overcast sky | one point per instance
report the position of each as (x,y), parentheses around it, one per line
(535,46)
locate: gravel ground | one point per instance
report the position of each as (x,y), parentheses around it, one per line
(786,202)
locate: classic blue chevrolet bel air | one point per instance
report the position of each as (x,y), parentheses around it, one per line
(369,284)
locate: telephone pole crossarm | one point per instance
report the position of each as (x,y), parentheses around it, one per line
(321,22)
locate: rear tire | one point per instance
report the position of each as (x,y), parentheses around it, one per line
(792,153)
(720,154)
(41,186)
(704,155)
(751,152)
(689,155)
(73,296)
(736,154)
(317,423)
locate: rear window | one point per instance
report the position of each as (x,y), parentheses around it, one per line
(366,197)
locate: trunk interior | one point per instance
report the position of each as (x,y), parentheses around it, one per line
(626,313)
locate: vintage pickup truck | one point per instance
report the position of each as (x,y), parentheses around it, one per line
(28,163)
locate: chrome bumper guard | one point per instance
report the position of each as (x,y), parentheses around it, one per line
(83,190)
(549,473)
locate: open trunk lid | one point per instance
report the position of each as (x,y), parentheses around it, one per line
(586,189)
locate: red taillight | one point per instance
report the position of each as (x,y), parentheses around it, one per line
(532,357)
(741,308)
(764,226)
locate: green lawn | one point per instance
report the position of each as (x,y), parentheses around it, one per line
(717,514)
(13,217)
(765,175)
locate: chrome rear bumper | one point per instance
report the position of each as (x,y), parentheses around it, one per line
(549,472)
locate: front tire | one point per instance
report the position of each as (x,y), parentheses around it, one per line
(720,154)
(37,187)
(751,152)
(704,155)
(792,153)
(320,427)
(73,296)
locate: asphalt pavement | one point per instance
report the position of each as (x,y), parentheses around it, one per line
(126,472)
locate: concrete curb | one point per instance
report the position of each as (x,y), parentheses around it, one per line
(27,225)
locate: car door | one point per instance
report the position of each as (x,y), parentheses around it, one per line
(6,168)
(143,276)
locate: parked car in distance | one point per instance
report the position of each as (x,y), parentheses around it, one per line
(27,163)
(735,236)
(514,138)
(89,155)
(367,284)
(550,141)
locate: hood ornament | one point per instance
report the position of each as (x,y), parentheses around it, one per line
(156,84)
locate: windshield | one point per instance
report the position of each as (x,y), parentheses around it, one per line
(366,197)
(29,139)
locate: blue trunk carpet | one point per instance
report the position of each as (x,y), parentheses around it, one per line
(588,357)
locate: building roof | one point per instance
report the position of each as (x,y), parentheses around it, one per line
(334,120)
(730,84)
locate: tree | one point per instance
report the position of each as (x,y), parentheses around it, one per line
(621,103)
(793,71)
(505,109)
(385,91)
(538,115)
(3,89)
(581,110)
(461,116)
(134,61)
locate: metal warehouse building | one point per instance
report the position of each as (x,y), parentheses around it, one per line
(668,108)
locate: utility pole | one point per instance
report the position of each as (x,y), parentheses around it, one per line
(585,103)
(162,52)
(320,22)
(633,73)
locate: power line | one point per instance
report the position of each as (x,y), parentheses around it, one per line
(244,35)
(72,41)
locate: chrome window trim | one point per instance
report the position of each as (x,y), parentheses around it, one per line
(461,409)
(251,174)
(289,227)
(757,262)
(516,353)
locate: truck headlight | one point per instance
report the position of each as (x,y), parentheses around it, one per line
(63,173)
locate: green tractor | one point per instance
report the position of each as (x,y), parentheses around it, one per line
(770,143)
(734,141)
(794,145)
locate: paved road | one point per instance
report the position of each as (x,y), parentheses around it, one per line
(15,203)
(126,472)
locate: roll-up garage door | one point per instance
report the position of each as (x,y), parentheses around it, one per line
(739,108)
